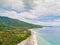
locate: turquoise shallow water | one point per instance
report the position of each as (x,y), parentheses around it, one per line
(48,36)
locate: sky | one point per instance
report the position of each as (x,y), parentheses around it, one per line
(40,12)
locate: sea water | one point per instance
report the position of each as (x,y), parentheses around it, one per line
(48,35)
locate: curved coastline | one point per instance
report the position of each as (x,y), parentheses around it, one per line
(32,40)
(34,37)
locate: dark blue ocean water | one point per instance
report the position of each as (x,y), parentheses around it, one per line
(48,35)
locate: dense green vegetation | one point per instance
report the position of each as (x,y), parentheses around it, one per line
(13,31)
(15,22)
(10,35)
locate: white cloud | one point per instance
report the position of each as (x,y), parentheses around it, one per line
(57,20)
(47,6)
(39,9)
(14,4)
(47,23)
(22,17)
(28,15)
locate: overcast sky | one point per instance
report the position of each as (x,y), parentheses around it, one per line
(41,12)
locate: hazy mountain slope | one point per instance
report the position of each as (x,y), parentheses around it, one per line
(14,22)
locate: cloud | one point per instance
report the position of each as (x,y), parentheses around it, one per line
(57,20)
(11,14)
(14,4)
(49,23)
(44,12)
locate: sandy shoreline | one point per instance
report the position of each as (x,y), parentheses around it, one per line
(30,40)
(34,37)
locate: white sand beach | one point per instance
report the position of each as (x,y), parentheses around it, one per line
(34,37)
(30,40)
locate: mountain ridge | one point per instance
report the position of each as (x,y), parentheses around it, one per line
(14,22)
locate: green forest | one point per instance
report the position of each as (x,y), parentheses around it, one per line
(13,31)
(14,22)
(12,35)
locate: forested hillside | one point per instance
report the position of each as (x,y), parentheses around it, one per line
(14,22)
(13,31)
(11,35)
